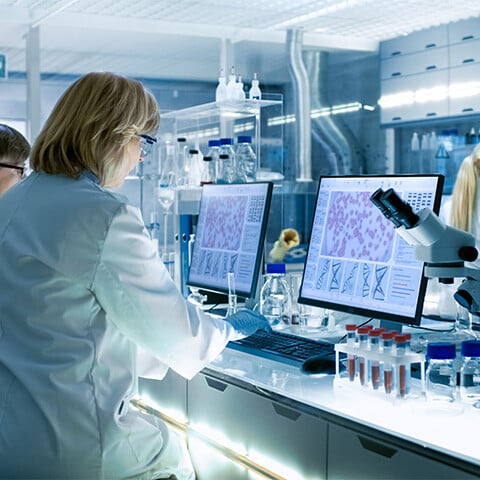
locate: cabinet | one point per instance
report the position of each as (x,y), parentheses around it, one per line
(286,441)
(438,67)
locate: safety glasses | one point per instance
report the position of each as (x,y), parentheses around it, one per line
(15,167)
(146,144)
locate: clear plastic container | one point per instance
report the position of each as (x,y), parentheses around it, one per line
(374,365)
(275,296)
(351,329)
(403,370)
(470,373)
(221,90)
(387,348)
(362,334)
(213,152)
(226,171)
(246,159)
(255,92)
(441,376)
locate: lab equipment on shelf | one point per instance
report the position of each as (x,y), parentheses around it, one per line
(208,171)
(221,90)
(246,159)
(255,93)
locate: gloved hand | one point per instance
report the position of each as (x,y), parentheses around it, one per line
(247,322)
(288,239)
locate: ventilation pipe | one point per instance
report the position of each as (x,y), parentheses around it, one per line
(301,91)
(324,127)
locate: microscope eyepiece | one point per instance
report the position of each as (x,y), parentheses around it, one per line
(394,208)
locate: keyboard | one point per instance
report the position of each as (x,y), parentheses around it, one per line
(282,347)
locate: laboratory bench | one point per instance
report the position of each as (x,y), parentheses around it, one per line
(247,417)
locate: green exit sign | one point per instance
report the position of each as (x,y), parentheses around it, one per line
(3,66)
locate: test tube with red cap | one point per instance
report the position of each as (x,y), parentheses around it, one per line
(351,329)
(387,343)
(404,373)
(375,375)
(362,333)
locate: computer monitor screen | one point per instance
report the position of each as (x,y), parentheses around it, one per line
(230,237)
(355,261)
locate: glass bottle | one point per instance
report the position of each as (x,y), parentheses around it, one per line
(246,159)
(470,372)
(181,155)
(221,90)
(255,93)
(441,376)
(214,152)
(275,296)
(208,171)
(232,85)
(403,373)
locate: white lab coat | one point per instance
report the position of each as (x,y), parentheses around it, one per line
(81,289)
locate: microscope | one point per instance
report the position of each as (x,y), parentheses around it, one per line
(444,249)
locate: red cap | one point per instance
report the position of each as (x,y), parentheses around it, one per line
(375,333)
(400,338)
(350,327)
(388,335)
(363,329)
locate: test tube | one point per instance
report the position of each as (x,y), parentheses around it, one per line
(362,333)
(374,339)
(387,343)
(403,377)
(351,328)
(232,296)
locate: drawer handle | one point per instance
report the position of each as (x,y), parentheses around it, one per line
(379,448)
(398,52)
(432,114)
(431,67)
(467,37)
(396,118)
(430,45)
(396,74)
(468,60)
(468,109)
(286,412)
(220,386)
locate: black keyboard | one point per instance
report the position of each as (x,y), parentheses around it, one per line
(282,347)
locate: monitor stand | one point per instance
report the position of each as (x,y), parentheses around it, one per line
(391,325)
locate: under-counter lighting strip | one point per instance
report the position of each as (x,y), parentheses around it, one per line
(240,458)
(425,95)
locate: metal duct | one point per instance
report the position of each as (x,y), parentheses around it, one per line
(324,126)
(301,90)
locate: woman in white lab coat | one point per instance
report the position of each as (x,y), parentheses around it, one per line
(83,295)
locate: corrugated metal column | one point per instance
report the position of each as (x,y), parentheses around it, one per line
(33,83)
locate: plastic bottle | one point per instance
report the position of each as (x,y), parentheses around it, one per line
(221,91)
(208,172)
(441,376)
(415,143)
(232,85)
(246,159)
(227,166)
(275,296)
(470,372)
(255,92)
(240,93)
(224,170)
(192,168)
(403,373)
(181,161)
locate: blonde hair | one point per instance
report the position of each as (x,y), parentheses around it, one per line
(464,192)
(91,126)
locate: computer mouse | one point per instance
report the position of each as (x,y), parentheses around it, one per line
(319,364)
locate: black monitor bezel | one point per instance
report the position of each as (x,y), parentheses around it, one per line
(261,244)
(355,310)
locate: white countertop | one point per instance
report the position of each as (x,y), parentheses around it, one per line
(451,429)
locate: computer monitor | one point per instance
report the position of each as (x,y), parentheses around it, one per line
(230,237)
(355,261)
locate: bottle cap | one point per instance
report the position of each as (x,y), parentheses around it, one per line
(471,348)
(388,335)
(214,143)
(350,327)
(363,330)
(244,139)
(181,139)
(375,333)
(276,268)
(441,351)
(223,156)
(400,338)
(226,141)
(193,151)
(207,158)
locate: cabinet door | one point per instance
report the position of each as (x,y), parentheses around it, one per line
(429,38)
(353,455)
(464,30)
(168,395)
(462,101)
(465,53)
(276,436)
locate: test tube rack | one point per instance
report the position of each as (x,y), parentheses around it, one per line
(395,360)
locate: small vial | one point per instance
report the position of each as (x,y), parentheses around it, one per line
(362,333)
(375,375)
(441,375)
(470,373)
(351,328)
(403,374)
(387,344)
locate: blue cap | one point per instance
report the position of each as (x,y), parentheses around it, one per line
(276,268)
(441,351)
(226,141)
(214,143)
(471,348)
(244,139)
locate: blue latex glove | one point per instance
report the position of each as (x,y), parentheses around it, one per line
(247,322)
